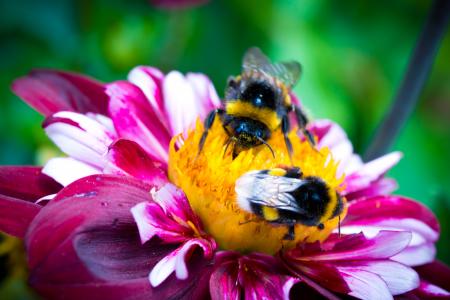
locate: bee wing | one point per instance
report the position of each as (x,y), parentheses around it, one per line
(287,72)
(273,191)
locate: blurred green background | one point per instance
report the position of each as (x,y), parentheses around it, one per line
(353,53)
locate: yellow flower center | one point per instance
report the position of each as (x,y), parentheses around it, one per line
(209,179)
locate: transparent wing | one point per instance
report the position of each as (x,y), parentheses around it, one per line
(273,191)
(287,72)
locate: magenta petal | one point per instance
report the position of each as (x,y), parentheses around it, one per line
(168,218)
(16,215)
(86,237)
(389,207)
(50,91)
(135,119)
(187,98)
(396,213)
(91,202)
(357,247)
(176,261)
(256,276)
(149,80)
(366,285)
(398,278)
(26,183)
(370,172)
(223,285)
(79,136)
(436,273)
(383,186)
(128,158)
(430,291)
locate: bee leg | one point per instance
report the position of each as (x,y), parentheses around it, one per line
(290,235)
(209,121)
(285,126)
(302,122)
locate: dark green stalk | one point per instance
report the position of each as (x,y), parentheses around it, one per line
(416,75)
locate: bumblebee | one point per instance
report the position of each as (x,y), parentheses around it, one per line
(284,196)
(257,102)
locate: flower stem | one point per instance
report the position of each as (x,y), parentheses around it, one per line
(414,80)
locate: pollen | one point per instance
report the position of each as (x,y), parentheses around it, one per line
(208,180)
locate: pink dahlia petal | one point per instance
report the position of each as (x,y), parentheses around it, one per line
(86,241)
(50,91)
(356,265)
(398,278)
(427,290)
(67,170)
(149,80)
(435,274)
(170,217)
(186,99)
(80,137)
(370,172)
(366,285)
(16,215)
(204,92)
(382,186)
(384,245)
(331,135)
(256,276)
(135,119)
(396,213)
(128,158)
(172,220)
(176,261)
(26,183)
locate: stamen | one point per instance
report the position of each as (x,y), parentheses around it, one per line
(209,183)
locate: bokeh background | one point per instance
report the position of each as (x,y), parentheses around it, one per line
(354,54)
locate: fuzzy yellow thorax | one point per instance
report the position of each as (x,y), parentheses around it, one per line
(209,180)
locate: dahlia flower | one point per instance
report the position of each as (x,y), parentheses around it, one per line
(132,212)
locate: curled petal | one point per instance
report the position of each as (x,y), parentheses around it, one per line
(176,261)
(152,221)
(50,91)
(135,119)
(128,158)
(57,168)
(170,218)
(79,136)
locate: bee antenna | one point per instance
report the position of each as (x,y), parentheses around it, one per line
(268,146)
